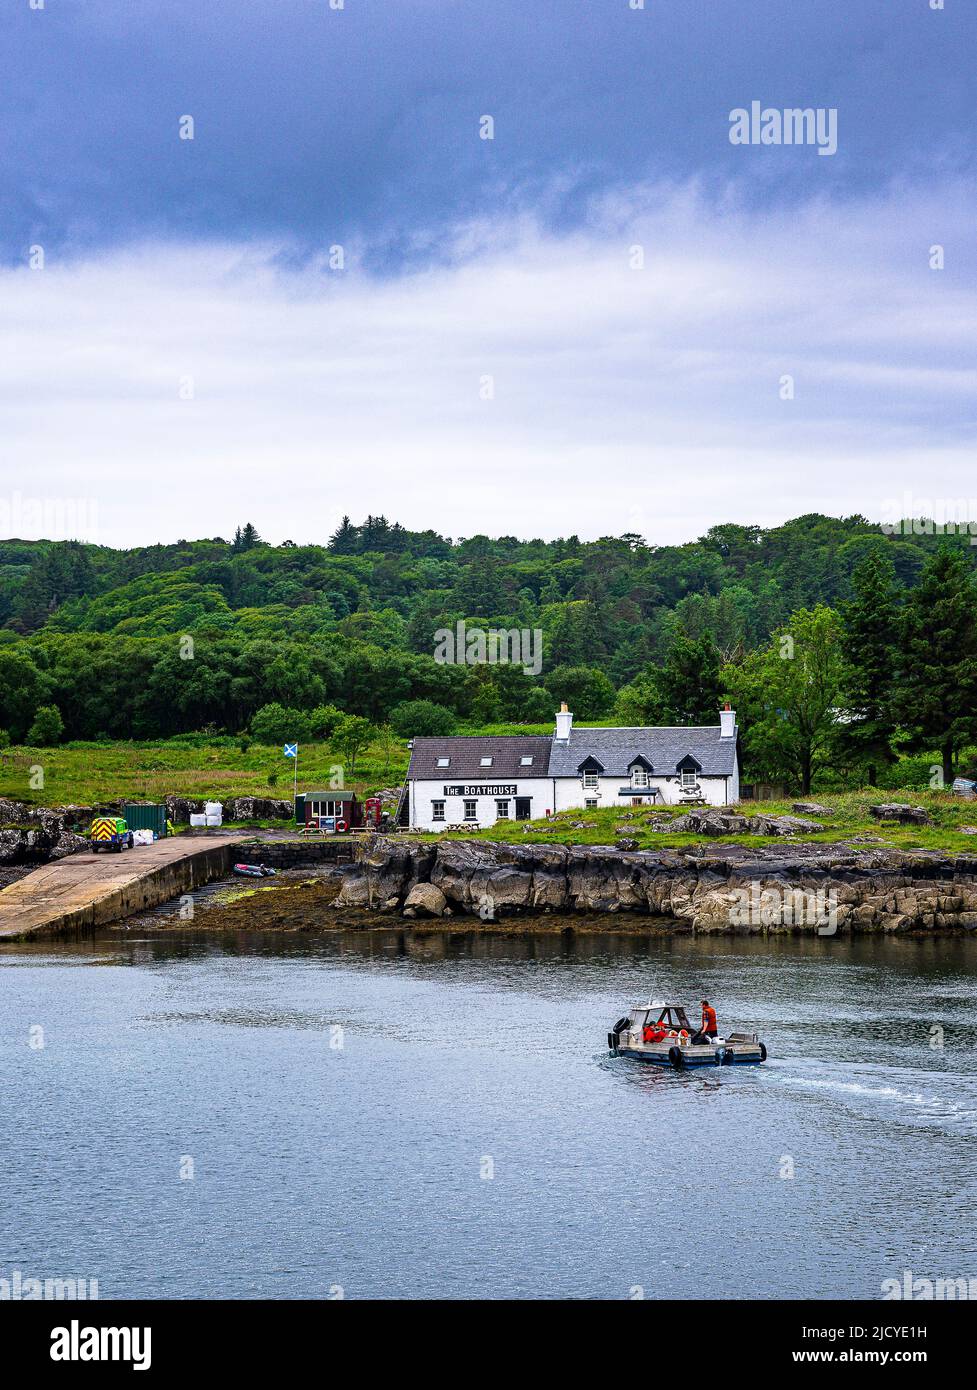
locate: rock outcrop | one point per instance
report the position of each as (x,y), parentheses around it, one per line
(899,811)
(38,834)
(817,889)
(426,899)
(708,821)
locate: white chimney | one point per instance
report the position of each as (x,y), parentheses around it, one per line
(727,722)
(564,723)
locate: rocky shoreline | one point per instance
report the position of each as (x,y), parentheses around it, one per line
(807,888)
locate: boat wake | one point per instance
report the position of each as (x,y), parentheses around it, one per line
(899,1097)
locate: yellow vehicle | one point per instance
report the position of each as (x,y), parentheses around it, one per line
(109,832)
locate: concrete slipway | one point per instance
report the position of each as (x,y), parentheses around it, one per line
(88,890)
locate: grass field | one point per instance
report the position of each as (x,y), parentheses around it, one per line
(85,774)
(849,818)
(204,768)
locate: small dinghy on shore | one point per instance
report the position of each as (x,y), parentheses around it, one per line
(253,871)
(661,1033)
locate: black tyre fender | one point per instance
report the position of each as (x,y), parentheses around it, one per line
(726,1059)
(763,1052)
(676,1058)
(621,1024)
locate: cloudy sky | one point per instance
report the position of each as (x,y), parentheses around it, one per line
(338,298)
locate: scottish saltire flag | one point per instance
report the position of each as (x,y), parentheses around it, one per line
(291,750)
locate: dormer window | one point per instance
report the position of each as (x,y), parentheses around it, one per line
(444,762)
(639,776)
(590,779)
(485,762)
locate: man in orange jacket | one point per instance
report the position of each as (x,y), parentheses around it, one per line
(709,1027)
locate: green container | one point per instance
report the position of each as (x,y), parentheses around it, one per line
(145,815)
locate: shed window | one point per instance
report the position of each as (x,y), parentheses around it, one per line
(471,810)
(502,810)
(437,810)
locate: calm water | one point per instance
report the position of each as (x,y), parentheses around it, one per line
(362,1167)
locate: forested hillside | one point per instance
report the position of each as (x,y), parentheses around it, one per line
(206,634)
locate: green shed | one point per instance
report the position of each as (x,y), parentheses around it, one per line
(146,815)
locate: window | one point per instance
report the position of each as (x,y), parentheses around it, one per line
(471,810)
(590,803)
(444,762)
(639,777)
(689,777)
(590,780)
(485,762)
(527,761)
(437,810)
(502,810)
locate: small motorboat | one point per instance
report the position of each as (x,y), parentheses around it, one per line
(253,871)
(656,1032)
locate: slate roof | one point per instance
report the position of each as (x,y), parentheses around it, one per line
(664,748)
(465,752)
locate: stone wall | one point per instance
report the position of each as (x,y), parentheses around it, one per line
(709,889)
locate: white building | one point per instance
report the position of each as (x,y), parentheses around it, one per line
(591,768)
(478,781)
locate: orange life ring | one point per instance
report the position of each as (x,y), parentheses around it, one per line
(341,827)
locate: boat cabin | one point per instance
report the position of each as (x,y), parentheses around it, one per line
(667,1015)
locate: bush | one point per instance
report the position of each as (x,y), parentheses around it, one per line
(422,719)
(47,728)
(538,707)
(276,724)
(4,739)
(324,721)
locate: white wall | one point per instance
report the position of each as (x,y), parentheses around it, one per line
(570,793)
(423,793)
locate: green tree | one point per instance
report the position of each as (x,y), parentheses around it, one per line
(352,735)
(938,688)
(538,706)
(22,688)
(422,719)
(638,703)
(870,645)
(587,691)
(787,696)
(689,683)
(47,728)
(276,723)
